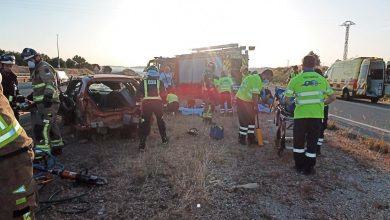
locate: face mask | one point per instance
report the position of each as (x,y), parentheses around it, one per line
(31,64)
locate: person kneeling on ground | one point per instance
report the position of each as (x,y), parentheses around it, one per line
(173,102)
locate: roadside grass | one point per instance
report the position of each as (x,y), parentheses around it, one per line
(186,167)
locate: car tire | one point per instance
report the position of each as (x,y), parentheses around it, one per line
(375,99)
(346,95)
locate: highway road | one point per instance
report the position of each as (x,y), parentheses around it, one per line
(362,117)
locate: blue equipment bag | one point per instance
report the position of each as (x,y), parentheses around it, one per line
(216,132)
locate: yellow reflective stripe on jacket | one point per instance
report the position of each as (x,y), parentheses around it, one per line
(39,85)
(38,98)
(10,133)
(48,86)
(146,91)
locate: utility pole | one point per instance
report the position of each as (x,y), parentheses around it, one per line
(347,25)
(58,53)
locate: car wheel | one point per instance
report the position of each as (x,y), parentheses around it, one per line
(375,100)
(346,96)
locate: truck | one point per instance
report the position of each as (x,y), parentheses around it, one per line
(188,69)
(362,77)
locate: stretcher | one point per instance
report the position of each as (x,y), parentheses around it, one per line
(283,119)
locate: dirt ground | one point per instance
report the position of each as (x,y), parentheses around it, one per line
(195,177)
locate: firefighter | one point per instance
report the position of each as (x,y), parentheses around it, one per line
(311,92)
(151,89)
(209,91)
(10,81)
(18,190)
(247,104)
(225,91)
(293,74)
(166,77)
(46,97)
(324,123)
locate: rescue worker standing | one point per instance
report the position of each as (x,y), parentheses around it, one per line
(310,90)
(151,89)
(293,74)
(209,91)
(17,191)
(46,97)
(324,123)
(247,104)
(225,89)
(10,81)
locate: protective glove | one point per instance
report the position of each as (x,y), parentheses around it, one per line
(47,100)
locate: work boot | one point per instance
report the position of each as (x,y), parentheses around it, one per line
(252,139)
(309,171)
(165,140)
(242,139)
(318,150)
(142,144)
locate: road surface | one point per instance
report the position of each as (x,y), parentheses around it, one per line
(362,117)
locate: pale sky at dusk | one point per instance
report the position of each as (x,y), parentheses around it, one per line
(129,33)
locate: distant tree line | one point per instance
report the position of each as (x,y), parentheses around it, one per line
(77,61)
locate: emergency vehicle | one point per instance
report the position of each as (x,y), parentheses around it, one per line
(362,77)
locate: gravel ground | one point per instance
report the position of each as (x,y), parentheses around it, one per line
(200,178)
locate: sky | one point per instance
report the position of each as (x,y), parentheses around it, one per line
(129,33)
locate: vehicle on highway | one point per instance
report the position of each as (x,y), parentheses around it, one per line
(363,77)
(102,102)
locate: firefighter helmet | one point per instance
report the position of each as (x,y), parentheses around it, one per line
(152,71)
(28,53)
(8,59)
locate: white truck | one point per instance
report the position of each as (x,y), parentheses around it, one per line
(363,77)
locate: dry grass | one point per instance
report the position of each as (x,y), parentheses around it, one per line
(376,145)
(332,126)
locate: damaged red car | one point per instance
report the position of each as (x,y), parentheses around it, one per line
(102,102)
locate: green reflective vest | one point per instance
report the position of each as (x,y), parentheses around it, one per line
(146,89)
(310,90)
(252,84)
(225,84)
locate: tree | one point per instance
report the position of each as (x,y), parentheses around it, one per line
(80,61)
(70,63)
(54,62)
(107,69)
(45,57)
(318,61)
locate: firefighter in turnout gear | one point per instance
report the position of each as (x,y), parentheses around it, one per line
(46,97)
(247,104)
(151,89)
(311,92)
(18,189)
(10,81)
(225,91)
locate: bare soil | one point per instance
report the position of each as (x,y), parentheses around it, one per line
(196,177)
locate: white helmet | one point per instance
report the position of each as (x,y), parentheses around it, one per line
(8,59)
